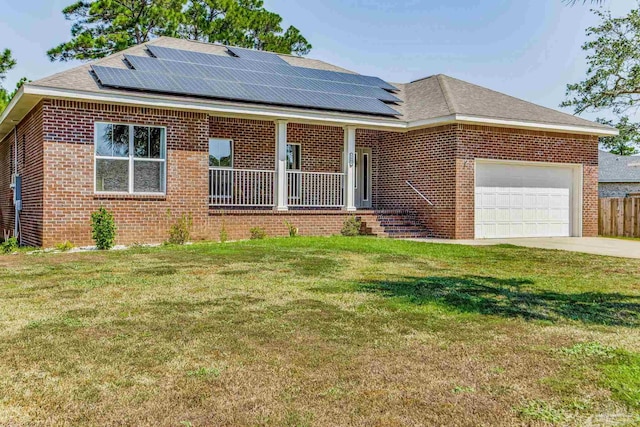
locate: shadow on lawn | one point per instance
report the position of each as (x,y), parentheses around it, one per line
(513,298)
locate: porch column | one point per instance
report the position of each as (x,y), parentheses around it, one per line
(281,195)
(349,167)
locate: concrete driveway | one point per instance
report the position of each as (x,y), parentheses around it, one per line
(589,245)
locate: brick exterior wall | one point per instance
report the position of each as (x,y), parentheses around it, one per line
(30,168)
(480,142)
(69,168)
(59,171)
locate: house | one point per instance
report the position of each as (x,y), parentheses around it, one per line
(240,138)
(619,176)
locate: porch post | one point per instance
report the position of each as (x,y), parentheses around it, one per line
(349,167)
(281,195)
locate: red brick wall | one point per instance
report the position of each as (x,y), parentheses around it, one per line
(425,158)
(254,141)
(514,144)
(69,165)
(30,167)
(321,146)
(238,223)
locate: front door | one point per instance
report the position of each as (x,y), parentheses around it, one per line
(363,178)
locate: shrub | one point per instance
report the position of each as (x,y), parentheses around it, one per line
(181,230)
(9,246)
(351,226)
(103,228)
(293,230)
(257,233)
(64,247)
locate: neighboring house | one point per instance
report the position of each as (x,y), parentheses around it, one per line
(239,138)
(619,176)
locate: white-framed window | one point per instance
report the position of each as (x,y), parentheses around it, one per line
(294,159)
(221,160)
(130,158)
(294,164)
(221,153)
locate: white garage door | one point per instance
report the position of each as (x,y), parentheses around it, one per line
(514,200)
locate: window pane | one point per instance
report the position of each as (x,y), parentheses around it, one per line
(293,156)
(220,152)
(148,177)
(112,175)
(141,141)
(104,138)
(157,143)
(120,141)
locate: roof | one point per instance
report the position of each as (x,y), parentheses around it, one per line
(614,168)
(431,101)
(441,95)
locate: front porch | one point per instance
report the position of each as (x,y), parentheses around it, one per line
(303,176)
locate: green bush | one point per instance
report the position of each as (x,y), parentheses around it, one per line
(64,247)
(257,233)
(351,226)
(103,228)
(9,246)
(293,230)
(180,231)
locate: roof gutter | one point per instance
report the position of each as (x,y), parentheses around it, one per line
(275,113)
(489,121)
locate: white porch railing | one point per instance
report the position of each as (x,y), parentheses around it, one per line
(315,189)
(241,187)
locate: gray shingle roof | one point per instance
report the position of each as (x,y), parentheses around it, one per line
(614,168)
(441,95)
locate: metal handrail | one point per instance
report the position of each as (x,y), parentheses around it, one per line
(419,193)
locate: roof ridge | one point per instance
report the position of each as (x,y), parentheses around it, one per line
(453,109)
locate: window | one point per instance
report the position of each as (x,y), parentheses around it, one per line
(221,160)
(130,159)
(293,164)
(293,157)
(221,153)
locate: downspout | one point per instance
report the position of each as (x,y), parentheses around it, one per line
(16,222)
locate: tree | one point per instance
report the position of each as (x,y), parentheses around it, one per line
(612,83)
(103,27)
(626,143)
(6,63)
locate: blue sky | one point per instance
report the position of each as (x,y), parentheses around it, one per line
(525,48)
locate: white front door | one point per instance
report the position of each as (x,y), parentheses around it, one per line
(523,200)
(363,178)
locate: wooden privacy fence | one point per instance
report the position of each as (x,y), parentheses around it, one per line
(619,217)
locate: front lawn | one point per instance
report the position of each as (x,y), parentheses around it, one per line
(319,332)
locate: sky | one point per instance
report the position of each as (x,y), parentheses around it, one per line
(525,48)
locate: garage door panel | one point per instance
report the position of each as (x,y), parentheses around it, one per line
(522,201)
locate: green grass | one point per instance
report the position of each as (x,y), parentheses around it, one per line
(319,331)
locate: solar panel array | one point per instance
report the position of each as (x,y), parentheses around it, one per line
(257,77)
(251,76)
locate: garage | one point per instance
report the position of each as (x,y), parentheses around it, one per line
(514,199)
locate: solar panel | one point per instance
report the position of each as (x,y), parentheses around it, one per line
(257,77)
(284,68)
(256,55)
(197,86)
